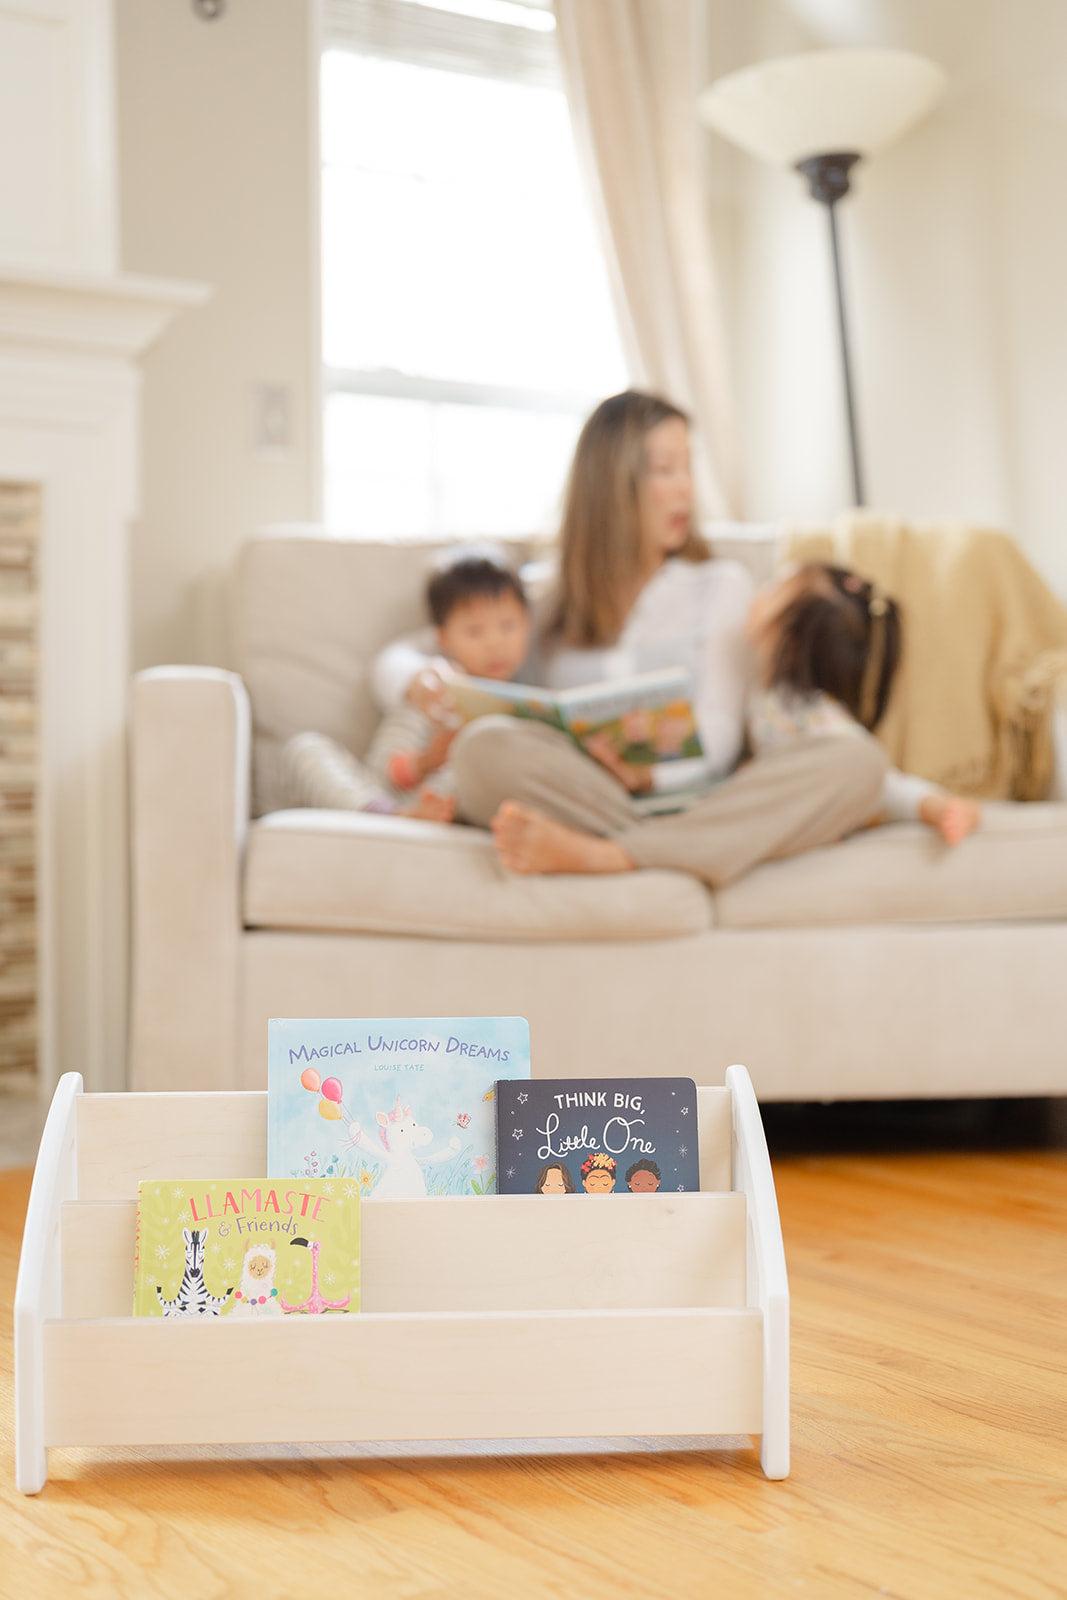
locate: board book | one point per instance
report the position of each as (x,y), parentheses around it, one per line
(404,1108)
(597,1135)
(246,1247)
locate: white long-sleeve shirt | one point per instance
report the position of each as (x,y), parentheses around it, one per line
(689,615)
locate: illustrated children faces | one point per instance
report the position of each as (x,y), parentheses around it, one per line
(598,1176)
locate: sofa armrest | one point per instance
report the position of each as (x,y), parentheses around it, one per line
(189,773)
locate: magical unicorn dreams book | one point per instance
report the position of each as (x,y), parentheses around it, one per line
(246,1247)
(402,1106)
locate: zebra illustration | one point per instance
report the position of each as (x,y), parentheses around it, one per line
(192,1299)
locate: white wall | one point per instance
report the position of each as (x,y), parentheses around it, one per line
(217,152)
(955,248)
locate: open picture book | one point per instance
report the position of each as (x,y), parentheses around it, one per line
(647,719)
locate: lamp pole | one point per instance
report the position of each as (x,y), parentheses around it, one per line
(828,180)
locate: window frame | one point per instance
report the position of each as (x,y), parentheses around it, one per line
(421,35)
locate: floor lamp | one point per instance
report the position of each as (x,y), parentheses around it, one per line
(820,113)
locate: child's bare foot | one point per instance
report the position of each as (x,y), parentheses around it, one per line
(952,816)
(430,807)
(528,841)
(959,818)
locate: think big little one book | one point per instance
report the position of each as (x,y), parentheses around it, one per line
(598,1136)
(402,1107)
(246,1247)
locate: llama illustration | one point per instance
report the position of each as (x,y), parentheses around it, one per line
(192,1299)
(315,1303)
(401,1137)
(257,1296)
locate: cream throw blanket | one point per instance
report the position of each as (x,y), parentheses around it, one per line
(985,650)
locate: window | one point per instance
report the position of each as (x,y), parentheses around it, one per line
(467,322)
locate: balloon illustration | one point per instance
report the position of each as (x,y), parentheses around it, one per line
(331,1089)
(329,1110)
(310,1078)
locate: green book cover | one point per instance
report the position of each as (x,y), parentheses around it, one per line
(246,1247)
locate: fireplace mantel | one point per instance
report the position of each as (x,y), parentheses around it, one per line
(120,314)
(70,347)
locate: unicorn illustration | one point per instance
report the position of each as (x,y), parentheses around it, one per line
(401,1138)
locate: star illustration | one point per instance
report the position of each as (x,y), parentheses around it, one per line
(516,1133)
(522,1097)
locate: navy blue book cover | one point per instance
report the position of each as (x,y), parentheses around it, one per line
(596,1135)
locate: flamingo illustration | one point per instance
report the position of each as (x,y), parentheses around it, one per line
(315,1302)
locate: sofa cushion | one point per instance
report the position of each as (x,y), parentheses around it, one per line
(337,871)
(1013,869)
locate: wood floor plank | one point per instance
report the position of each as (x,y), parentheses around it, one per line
(929,1456)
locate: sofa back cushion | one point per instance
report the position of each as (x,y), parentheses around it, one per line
(311,612)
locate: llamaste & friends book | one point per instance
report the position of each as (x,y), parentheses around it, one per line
(246,1247)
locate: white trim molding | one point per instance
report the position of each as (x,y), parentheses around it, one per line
(69,423)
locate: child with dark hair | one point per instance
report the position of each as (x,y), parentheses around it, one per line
(478,605)
(828,644)
(479,608)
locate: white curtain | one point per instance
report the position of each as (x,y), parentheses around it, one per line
(628,71)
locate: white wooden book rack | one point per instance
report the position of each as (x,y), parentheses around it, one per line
(497,1317)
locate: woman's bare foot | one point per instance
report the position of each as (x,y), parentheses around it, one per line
(430,807)
(528,841)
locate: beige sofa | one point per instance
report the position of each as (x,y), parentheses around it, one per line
(887,966)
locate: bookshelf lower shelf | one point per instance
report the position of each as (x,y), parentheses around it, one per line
(385,1376)
(503,1317)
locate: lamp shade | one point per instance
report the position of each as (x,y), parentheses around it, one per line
(788,109)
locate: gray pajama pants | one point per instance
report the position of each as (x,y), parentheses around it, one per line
(787,800)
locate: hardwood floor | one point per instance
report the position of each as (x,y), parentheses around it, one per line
(929,1442)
